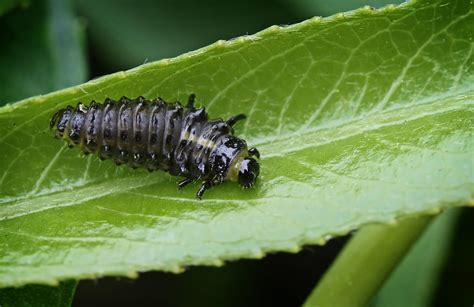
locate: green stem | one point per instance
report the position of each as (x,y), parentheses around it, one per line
(365,263)
(415,280)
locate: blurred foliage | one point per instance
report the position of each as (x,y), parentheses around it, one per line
(7,5)
(414,281)
(127,33)
(41,50)
(39,296)
(366,262)
(456,283)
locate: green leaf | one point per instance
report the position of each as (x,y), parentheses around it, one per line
(35,295)
(363,117)
(41,51)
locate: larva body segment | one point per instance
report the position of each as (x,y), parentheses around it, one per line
(158,135)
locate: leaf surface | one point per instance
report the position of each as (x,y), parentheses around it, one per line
(362,117)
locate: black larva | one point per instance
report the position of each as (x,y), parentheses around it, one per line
(160,135)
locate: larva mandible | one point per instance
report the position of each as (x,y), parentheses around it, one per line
(158,135)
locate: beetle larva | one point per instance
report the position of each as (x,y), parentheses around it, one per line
(161,136)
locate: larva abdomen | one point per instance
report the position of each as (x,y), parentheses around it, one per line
(119,131)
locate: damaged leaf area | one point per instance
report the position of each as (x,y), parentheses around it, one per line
(362,117)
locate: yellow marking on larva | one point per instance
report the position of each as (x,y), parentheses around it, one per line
(188,137)
(234,169)
(207,144)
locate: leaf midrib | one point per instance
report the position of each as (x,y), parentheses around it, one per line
(340,130)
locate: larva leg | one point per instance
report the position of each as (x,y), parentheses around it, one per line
(184,183)
(191,101)
(254,152)
(231,121)
(206,185)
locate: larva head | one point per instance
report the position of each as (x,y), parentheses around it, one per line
(244,169)
(248,172)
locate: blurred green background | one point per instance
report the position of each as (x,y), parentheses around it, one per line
(52,44)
